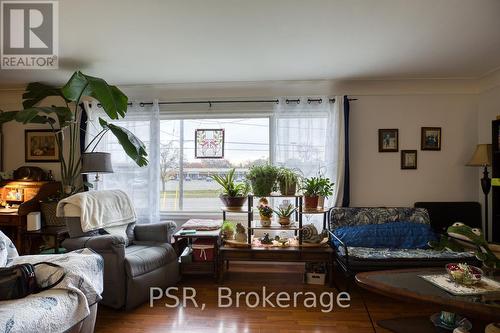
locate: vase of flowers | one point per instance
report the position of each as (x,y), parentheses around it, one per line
(266,214)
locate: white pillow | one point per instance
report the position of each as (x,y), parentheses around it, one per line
(7,250)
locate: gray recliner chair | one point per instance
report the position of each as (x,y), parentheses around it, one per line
(132,264)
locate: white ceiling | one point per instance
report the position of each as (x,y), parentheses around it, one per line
(160,41)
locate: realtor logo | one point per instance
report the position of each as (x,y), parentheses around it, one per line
(29,34)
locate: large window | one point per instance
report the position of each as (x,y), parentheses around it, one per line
(185,183)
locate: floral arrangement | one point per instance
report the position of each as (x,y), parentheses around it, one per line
(265,210)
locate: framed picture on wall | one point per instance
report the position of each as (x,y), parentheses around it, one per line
(388,140)
(431,138)
(408,159)
(40,146)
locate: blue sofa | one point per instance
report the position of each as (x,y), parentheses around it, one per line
(387,241)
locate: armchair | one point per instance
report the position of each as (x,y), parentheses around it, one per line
(132,264)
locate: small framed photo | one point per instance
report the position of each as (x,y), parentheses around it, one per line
(209,143)
(408,159)
(388,140)
(431,138)
(40,146)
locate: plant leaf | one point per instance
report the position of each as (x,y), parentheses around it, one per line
(63,114)
(36,92)
(32,116)
(113,100)
(7,116)
(132,145)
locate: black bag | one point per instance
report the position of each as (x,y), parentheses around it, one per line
(19,281)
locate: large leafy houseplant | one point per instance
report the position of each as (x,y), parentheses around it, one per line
(288,180)
(64,121)
(311,189)
(233,194)
(263,179)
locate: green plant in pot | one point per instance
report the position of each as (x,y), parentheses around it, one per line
(284,213)
(64,121)
(234,195)
(311,188)
(325,190)
(263,179)
(288,180)
(228,229)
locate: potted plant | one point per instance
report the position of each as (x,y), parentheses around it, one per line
(311,188)
(326,190)
(263,179)
(284,212)
(228,230)
(234,195)
(265,212)
(288,180)
(64,121)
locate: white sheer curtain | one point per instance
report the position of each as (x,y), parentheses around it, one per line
(307,136)
(140,183)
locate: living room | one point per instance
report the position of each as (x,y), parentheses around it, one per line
(250,166)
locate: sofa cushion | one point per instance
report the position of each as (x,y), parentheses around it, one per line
(141,259)
(395,235)
(340,217)
(368,253)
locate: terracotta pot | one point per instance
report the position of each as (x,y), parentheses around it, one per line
(311,203)
(233,202)
(265,221)
(284,221)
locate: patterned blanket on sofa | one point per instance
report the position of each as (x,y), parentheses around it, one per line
(60,308)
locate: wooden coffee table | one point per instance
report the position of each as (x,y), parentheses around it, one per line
(406,285)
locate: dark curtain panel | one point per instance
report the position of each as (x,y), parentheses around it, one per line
(347,186)
(83,129)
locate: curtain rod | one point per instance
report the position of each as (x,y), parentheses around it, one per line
(210,102)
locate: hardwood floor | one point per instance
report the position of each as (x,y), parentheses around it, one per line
(247,277)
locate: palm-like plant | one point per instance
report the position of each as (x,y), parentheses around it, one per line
(64,121)
(229,186)
(285,211)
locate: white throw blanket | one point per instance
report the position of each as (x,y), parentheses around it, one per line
(60,308)
(100,209)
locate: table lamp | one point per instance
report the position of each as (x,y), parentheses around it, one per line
(96,162)
(482,158)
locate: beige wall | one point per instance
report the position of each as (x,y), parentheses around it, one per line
(13,135)
(377,179)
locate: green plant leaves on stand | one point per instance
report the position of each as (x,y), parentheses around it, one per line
(36,92)
(113,100)
(131,144)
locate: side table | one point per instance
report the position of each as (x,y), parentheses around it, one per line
(199,267)
(59,233)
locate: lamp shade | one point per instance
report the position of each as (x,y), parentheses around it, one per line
(482,156)
(96,163)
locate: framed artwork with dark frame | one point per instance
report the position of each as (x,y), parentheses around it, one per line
(430,138)
(408,159)
(388,140)
(40,146)
(209,143)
